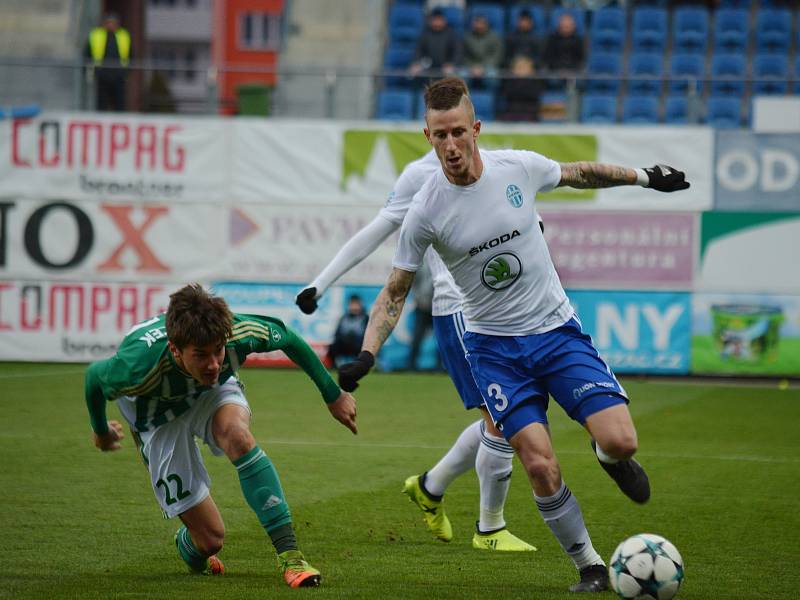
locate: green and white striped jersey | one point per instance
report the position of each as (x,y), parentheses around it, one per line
(144,368)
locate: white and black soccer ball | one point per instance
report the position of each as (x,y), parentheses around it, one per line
(646,566)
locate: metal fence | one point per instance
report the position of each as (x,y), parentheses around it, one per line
(69,85)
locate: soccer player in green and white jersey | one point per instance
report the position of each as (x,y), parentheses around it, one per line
(174,378)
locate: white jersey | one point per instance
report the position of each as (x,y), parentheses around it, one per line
(446,299)
(487,234)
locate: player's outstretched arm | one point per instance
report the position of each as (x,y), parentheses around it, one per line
(359,247)
(599,175)
(383,318)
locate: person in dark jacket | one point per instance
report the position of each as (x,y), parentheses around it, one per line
(522,92)
(438,47)
(524,41)
(564,49)
(349,333)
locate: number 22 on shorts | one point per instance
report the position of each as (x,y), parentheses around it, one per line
(496,392)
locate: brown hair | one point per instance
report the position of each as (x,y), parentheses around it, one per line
(447,93)
(195,316)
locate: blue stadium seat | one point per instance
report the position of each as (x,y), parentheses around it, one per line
(770,74)
(649,29)
(648,64)
(727,74)
(405,22)
(684,68)
(494,13)
(397,58)
(395,105)
(607,32)
(690,29)
(640,109)
(553,107)
(676,109)
(773,30)
(725,4)
(724,112)
(608,65)
(599,108)
(454,16)
(731,29)
(577,13)
(537,12)
(484,105)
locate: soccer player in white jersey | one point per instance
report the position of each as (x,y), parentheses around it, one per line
(523,340)
(480,445)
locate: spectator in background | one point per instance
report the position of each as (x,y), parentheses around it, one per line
(109,49)
(564,49)
(349,333)
(438,47)
(423,314)
(521,93)
(483,53)
(524,41)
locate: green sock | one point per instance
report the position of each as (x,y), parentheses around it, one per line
(262,490)
(189,553)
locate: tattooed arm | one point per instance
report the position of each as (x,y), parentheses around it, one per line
(383,319)
(662,178)
(386,310)
(595,175)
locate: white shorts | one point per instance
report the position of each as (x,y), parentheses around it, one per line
(177,473)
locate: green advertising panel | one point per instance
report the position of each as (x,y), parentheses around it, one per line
(746,334)
(406,146)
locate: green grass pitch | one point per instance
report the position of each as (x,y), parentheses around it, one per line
(724,463)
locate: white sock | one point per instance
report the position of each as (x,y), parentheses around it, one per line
(493,465)
(458,460)
(603,456)
(563,516)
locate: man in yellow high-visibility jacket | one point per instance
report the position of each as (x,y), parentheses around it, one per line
(109,49)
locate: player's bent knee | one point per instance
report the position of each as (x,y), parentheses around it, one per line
(621,446)
(235,439)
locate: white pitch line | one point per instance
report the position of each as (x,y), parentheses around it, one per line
(658,455)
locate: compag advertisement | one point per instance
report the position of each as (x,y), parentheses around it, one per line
(73,321)
(109,157)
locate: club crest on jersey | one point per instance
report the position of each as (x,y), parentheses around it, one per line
(501,271)
(514,196)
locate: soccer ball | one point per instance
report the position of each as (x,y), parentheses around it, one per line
(646,566)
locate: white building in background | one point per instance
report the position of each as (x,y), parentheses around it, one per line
(178,37)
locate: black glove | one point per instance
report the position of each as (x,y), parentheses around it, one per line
(665,179)
(306,300)
(350,373)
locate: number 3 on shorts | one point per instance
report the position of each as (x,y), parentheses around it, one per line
(495,391)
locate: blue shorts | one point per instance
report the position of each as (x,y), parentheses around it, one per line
(516,374)
(449,329)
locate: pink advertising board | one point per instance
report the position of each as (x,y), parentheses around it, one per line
(621,250)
